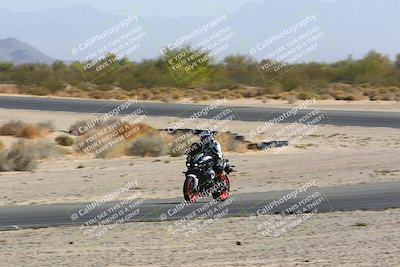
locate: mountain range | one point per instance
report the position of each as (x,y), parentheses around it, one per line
(17,52)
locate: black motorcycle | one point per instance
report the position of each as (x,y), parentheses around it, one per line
(201,179)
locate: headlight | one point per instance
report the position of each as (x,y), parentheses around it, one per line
(188,164)
(196,164)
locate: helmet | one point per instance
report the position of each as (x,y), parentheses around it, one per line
(205,136)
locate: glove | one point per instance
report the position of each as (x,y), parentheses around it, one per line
(220,166)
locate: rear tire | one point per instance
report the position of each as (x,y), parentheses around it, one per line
(189,193)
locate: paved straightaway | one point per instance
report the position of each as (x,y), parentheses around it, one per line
(377,196)
(333,117)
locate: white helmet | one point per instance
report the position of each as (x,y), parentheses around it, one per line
(206,136)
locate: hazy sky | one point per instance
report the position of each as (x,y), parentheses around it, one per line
(350,26)
(170,8)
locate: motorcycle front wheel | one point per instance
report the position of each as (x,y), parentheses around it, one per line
(222,193)
(189,192)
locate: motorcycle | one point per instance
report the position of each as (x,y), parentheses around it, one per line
(201,179)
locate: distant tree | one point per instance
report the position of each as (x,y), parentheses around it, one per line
(397,62)
(52,84)
(189,67)
(5,66)
(58,65)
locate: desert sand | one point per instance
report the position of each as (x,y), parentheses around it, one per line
(360,238)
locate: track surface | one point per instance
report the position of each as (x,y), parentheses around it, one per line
(333,117)
(344,198)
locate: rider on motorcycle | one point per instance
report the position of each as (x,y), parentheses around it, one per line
(210,147)
(207,170)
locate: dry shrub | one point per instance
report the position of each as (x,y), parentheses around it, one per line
(72,92)
(64,140)
(103,93)
(8,89)
(229,143)
(250,92)
(118,150)
(201,96)
(12,128)
(23,156)
(47,125)
(35,90)
(79,127)
(103,134)
(128,131)
(146,95)
(24,130)
(167,98)
(148,146)
(347,92)
(30,132)
(44,150)
(2,146)
(177,94)
(132,131)
(180,142)
(33,131)
(291,99)
(306,95)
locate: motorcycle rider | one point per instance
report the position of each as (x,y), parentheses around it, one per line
(210,147)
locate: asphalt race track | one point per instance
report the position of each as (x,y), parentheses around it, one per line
(377,196)
(332,117)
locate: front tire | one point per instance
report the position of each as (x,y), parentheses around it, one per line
(222,193)
(189,192)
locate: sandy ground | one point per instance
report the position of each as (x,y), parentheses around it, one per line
(364,105)
(360,238)
(331,155)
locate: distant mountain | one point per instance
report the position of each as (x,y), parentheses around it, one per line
(17,52)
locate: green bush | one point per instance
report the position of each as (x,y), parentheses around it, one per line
(64,140)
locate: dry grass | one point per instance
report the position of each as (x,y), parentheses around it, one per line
(2,146)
